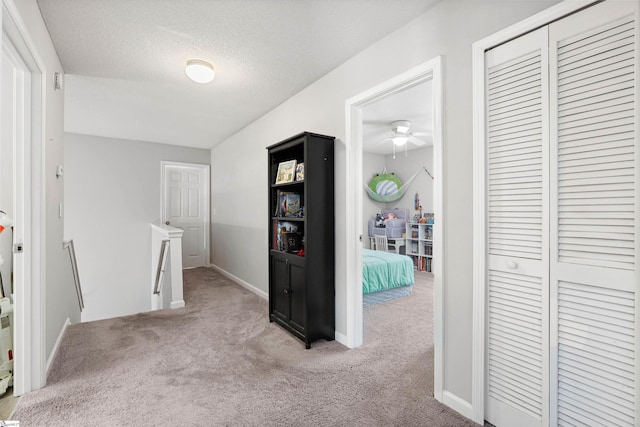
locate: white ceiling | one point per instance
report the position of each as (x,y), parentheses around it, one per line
(413,104)
(124,59)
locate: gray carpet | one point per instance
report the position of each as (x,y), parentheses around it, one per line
(219,362)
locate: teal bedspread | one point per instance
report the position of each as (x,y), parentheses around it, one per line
(385,270)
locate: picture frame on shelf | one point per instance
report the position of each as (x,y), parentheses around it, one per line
(286,172)
(300,172)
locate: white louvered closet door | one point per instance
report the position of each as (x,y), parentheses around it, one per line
(517,339)
(595,193)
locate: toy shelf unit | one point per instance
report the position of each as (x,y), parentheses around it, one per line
(420,245)
(301,236)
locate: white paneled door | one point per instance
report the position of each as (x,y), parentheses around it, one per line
(185,206)
(517,350)
(562,209)
(594,215)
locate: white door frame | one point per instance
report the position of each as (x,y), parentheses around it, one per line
(479,186)
(29,308)
(430,70)
(207,201)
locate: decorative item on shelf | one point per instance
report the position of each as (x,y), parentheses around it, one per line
(416,202)
(292,242)
(286,172)
(430,217)
(300,172)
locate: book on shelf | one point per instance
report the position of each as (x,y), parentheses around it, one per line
(289,204)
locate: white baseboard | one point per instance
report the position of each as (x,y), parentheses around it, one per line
(246,285)
(176,304)
(56,346)
(457,404)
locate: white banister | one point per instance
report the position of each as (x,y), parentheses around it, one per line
(166,267)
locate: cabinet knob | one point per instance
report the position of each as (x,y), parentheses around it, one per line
(512,265)
(286,291)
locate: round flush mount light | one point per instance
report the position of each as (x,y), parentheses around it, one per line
(200,71)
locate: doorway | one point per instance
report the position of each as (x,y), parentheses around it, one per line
(185,205)
(430,70)
(22,126)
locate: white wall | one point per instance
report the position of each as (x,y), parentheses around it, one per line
(404,166)
(239,186)
(60,299)
(113,190)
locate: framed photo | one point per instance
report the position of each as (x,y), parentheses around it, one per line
(300,172)
(286,172)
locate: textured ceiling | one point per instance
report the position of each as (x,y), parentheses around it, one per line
(124,59)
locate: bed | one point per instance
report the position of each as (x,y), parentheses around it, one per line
(385,276)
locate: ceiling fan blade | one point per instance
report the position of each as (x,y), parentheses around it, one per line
(421,133)
(383,141)
(417,142)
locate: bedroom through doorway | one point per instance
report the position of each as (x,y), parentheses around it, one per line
(397,160)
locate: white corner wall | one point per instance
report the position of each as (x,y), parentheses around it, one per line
(113,190)
(58,285)
(239,174)
(371,165)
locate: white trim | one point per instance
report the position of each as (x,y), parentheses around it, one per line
(56,345)
(430,70)
(479,186)
(341,338)
(176,304)
(457,404)
(207,202)
(262,294)
(29,339)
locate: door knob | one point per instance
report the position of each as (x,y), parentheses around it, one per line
(166,222)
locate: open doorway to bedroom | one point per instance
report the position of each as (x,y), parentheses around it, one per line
(397,160)
(427,76)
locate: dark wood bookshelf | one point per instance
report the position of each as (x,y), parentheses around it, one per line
(302,284)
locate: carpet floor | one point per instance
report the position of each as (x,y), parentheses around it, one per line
(219,362)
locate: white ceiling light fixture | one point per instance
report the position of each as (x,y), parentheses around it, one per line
(400,136)
(399,140)
(200,71)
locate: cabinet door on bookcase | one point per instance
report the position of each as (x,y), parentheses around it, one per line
(297,293)
(281,306)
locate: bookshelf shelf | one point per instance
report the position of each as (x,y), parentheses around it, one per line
(419,245)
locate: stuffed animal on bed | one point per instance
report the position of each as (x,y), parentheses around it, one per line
(389,216)
(379,221)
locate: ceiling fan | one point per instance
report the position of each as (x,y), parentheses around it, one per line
(401,135)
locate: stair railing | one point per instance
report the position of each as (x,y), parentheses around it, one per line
(74,267)
(162,261)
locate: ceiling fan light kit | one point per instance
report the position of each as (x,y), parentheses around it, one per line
(399,140)
(200,71)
